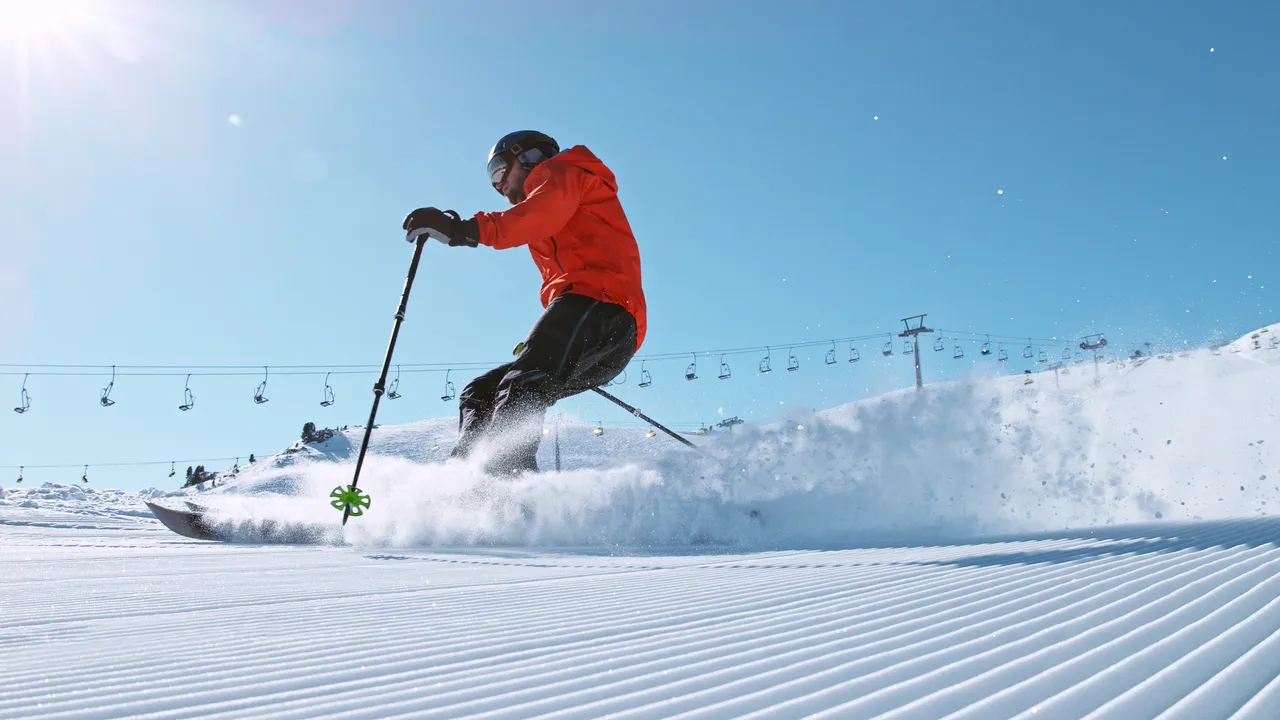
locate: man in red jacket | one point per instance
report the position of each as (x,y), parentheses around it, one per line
(566,211)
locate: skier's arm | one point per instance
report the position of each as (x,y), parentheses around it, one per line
(543,213)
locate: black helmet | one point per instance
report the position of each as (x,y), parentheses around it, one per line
(529,146)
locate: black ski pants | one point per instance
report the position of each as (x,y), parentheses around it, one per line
(578,343)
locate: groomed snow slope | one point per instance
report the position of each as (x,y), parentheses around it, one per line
(637,583)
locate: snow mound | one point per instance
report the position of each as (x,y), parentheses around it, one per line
(1186,435)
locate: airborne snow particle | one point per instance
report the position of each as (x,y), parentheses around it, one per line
(1224,157)
(875,117)
(234,119)
(1210,49)
(999,192)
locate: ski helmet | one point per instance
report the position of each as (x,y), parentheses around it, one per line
(530,147)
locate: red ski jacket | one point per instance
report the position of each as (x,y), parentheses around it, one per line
(576,231)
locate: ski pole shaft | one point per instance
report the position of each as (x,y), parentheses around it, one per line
(380,386)
(642,416)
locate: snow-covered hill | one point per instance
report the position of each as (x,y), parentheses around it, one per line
(1177,436)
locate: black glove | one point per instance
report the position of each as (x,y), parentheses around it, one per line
(443,225)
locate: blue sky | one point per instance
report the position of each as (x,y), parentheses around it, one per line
(206,183)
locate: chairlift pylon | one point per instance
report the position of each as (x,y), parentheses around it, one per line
(691,372)
(328,393)
(793,362)
(724,369)
(449,392)
(188,399)
(765,361)
(105,400)
(959,352)
(831,354)
(26,399)
(259,396)
(854,355)
(393,392)
(645,378)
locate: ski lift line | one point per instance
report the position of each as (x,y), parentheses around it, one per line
(63,466)
(1008,338)
(353,369)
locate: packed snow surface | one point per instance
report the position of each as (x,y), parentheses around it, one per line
(906,556)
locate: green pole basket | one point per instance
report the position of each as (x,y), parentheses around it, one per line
(350,499)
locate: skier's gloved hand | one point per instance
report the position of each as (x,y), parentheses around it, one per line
(442,225)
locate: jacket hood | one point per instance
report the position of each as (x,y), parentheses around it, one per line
(582,158)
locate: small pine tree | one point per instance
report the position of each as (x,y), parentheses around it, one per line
(188,474)
(251,460)
(309,432)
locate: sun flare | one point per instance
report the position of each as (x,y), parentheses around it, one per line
(34,19)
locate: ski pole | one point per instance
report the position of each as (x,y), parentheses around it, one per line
(350,499)
(643,417)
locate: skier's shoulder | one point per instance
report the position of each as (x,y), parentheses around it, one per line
(582,159)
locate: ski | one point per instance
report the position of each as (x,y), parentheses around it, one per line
(196,523)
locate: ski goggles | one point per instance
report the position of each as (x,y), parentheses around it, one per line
(500,165)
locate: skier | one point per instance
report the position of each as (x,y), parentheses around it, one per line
(566,210)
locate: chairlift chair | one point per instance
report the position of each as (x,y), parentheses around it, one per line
(259,396)
(831,355)
(724,369)
(854,355)
(26,399)
(645,378)
(106,400)
(959,352)
(1028,351)
(449,392)
(651,433)
(328,393)
(188,399)
(1002,355)
(393,392)
(691,372)
(702,430)
(84,476)
(888,349)
(908,347)
(986,346)
(1066,354)
(765,362)
(235,469)
(599,430)
(938,344)
(20,468)
(793,362)
(1027,375)
(172,469)
(1044,357)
